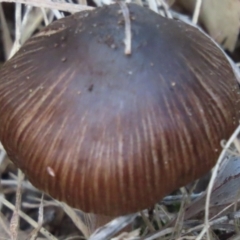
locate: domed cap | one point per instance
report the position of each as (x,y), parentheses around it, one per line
(111,133)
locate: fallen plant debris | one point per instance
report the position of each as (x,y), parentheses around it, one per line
(221,19)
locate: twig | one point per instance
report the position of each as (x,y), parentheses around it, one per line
(223,210)
(18,26)
(153,5)
(110,229)
(31,20)
(197,11)
(166,9)
(237,144)
(180,217)
(46,22)
(14,223)
(2,156)
(26,15)
(169,200)
(160,234)
(220,220)
(67,7)
(25,184)
(47,234)
(34,233)
(57,14)
(147,222)
(157,217)
(128,34)
(77,221)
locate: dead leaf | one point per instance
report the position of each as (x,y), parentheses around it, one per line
(125,235)
(221,18)
(225,191)
(113,227)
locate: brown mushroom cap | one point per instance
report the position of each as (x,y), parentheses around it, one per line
(110,133)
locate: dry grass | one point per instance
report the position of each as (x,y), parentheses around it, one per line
(42,216)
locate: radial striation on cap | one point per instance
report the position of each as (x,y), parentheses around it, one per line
(111,133)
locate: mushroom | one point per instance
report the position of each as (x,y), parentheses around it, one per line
(111,133)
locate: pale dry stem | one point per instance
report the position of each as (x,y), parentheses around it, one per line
(147,222)
(35,232)
(28,219)
(153,5)
(67,7)
(76,219)
(197,11)
(14,223)
(18,26)
(128,34)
